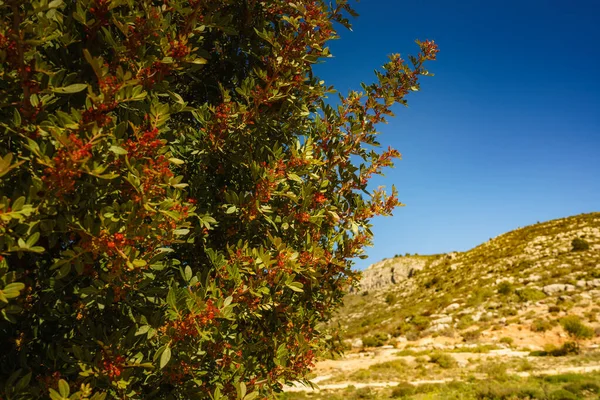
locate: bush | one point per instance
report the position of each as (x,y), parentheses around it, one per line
(443,360)
(562,394)
(471,335)
(506,288)
(506,340)
(554,309)
(420,322)
(403,389)
(541,325)
(579,244)
(376,340)
(529,294)
(390,298)
(179,209)
(575,328)
(568,348)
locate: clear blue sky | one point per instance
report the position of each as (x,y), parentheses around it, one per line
(505,134)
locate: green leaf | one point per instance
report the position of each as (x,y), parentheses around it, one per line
(54,395)
(33,239)
(118,150)
(165,357)
(63,388)
(140,263)
(199,60)
(251,396)
(181,231)
(17,118)
(142,330)
(176,161)
(296,286)
(74,88)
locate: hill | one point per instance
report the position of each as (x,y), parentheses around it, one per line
(513,318)
(531,275)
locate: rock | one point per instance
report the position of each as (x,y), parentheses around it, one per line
(594,283)
(581,284)
(438,328)
(357,344)
(390,272)
(557,288)
(442,320)
(452,307)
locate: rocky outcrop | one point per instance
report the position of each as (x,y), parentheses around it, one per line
(390,272)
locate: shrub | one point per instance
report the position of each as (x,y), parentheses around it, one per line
(179,209)
(579,244)
(554,309)
(471,335)
(506,288)
(443,360)
(568,348)
(529,294)
(575,328)
(390,298)
(479,296)
(506,340)
(376,340)
(403,389)
(420,322)
(562,394)
(541,325)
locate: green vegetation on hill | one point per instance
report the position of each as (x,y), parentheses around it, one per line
(532,276)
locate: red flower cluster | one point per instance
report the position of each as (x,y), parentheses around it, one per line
(178,48)
(156,167)
(98,114)
(142,31)
(180,330)
(113,367)
(99,10)
(149,76)
(62,175)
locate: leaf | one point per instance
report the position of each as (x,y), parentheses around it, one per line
(33,239)
(176,161)
(251,396)
(118,150)
(199,60)
(296,287)
(18,204)
(54,395)
(17,118)
(165,357)
(241,390)
(74,88)
(142,330)
(63,388)
(181,231)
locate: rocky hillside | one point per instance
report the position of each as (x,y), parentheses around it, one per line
(528,280)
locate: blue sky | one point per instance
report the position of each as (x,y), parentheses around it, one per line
(507,132)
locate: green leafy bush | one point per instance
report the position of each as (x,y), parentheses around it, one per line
(540,325)
(506,288)
(376,340)
(575,328)
(179,207)
(579,244)
(530,294)
(443,360)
